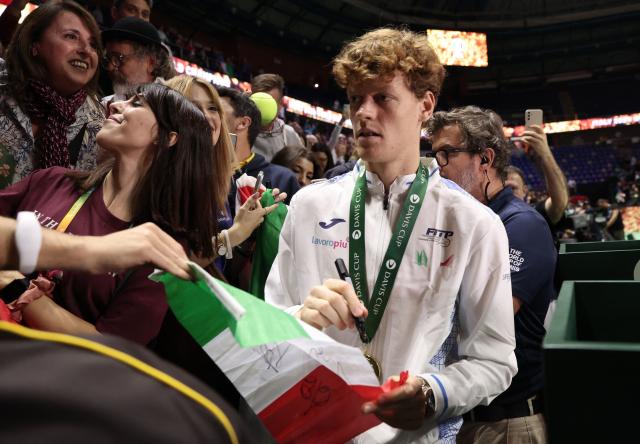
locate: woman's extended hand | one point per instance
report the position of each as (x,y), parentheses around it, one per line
(249,217)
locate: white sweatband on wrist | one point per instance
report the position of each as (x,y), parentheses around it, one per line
(28,241)
(227,243)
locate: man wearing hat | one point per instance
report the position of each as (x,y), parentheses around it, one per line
(134,55)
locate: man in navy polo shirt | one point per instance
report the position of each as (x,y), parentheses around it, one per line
(471,150)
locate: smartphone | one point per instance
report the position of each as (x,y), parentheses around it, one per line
(234,139)
(259,178)
(532,117)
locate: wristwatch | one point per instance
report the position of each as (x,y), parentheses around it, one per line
(430,398)
(223,245)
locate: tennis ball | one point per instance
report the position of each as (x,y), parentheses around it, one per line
(267,106)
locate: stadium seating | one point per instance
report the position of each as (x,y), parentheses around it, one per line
(584,164)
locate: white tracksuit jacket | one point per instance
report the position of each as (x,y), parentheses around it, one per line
(450,314)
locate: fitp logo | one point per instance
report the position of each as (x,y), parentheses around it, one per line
(414,199)
(442,237)
(356,234)
(391,264)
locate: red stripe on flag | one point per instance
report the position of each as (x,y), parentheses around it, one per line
(245,193)
(321,407)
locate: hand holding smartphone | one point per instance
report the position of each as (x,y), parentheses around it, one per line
(256,188)
(259,178)
(531,117)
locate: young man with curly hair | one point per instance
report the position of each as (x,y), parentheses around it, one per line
(429,264)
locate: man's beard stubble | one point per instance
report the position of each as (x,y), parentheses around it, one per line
(470,184)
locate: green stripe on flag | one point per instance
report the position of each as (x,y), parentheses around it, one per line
(200,311)
(197,309)
(266,247)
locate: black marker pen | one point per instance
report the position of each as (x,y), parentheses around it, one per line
(343,272)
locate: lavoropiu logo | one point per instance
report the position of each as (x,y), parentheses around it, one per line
(332,223)
(330,243)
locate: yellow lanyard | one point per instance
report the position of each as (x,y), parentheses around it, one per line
(246,161)
(73,211)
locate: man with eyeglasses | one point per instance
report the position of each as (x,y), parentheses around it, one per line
(470,148)
(134,55)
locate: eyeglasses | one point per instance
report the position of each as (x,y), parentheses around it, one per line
(115,58)
(442,156)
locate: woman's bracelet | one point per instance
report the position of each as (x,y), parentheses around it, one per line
(28,241)
(227,242)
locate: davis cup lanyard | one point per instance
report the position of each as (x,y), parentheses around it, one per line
(71,214)
(377,302)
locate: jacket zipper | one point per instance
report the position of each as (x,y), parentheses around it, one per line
(380,253)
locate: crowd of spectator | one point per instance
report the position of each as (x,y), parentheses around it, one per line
(598,216)
(186,47)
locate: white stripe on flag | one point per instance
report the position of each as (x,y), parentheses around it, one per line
(229,302)
(261,374)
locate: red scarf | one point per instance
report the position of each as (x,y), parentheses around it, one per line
(57,113)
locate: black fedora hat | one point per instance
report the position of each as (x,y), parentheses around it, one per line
(132,28)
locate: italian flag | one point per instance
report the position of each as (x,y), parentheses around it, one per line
(303,385)
(267,235)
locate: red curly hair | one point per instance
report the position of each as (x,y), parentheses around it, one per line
(382,52)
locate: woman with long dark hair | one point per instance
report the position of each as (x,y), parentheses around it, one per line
(162,169)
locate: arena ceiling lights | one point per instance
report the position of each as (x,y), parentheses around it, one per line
(459,48)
